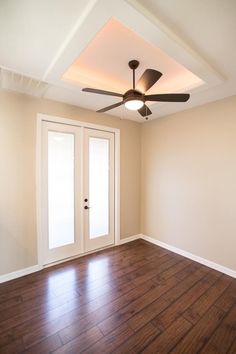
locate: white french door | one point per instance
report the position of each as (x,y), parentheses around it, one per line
(98,189)
(77,190)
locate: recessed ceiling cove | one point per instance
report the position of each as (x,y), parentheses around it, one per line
(104,63)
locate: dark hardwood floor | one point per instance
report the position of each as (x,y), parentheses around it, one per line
(135,298)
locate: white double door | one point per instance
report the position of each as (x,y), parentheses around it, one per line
(78,190)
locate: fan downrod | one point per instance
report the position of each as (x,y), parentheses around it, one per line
(133,64)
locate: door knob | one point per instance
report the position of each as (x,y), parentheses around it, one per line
(86,207)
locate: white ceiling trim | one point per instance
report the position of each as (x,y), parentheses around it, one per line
(216,76)
(139,20)
(75,29)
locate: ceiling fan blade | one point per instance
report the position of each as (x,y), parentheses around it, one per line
(148,79)
(168,97)
(110,107)
(102,92)
(144,111)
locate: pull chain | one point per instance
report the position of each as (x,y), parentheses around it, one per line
(146,114)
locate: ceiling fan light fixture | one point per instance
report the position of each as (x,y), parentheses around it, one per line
(134,104)
(134,99)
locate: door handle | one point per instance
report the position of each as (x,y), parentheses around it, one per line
(86,207)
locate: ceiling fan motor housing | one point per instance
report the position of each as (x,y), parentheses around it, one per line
(131,95)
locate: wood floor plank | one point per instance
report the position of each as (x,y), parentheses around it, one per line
(198,309)
(168,339)
(46,346)
(70,332)
(232,349)
(30,309)
(53,301)
(193,267)
(157,269)
(31,313)
(137,342)
(126,299)
(46,318)
(13,347)
(223,337)
(178,307)
(131,309)
(147,314)
(41,304)
(195,339)
(228,298)
(82,342)
(150,267)
(73,323)
(112,341)
(175,269)
(185,285)
(10,303)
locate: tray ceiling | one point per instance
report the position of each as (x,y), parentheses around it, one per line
(90,42)
(102,64)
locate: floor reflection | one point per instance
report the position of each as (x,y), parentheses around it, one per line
(97,274)
(65,286)
(62,294)
(98,269)
(62,282)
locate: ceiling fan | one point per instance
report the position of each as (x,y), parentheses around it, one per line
(135,99)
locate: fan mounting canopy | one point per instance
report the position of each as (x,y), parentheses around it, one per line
(133,64)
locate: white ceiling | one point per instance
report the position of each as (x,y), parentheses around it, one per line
(39,40)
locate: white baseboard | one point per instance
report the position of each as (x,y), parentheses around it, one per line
(19,273)
(36,268)
(191,256)
(129,239)
(210,264)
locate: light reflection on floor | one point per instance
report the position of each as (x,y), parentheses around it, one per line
(61,284)
(97,269)
(97,279)
(65,286)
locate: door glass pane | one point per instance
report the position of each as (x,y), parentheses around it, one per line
(98,187)
(60,189)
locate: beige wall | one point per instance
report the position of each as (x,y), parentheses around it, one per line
(189,181)
(18,239)
(188,178)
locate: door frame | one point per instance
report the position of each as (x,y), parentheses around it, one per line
(39,202)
